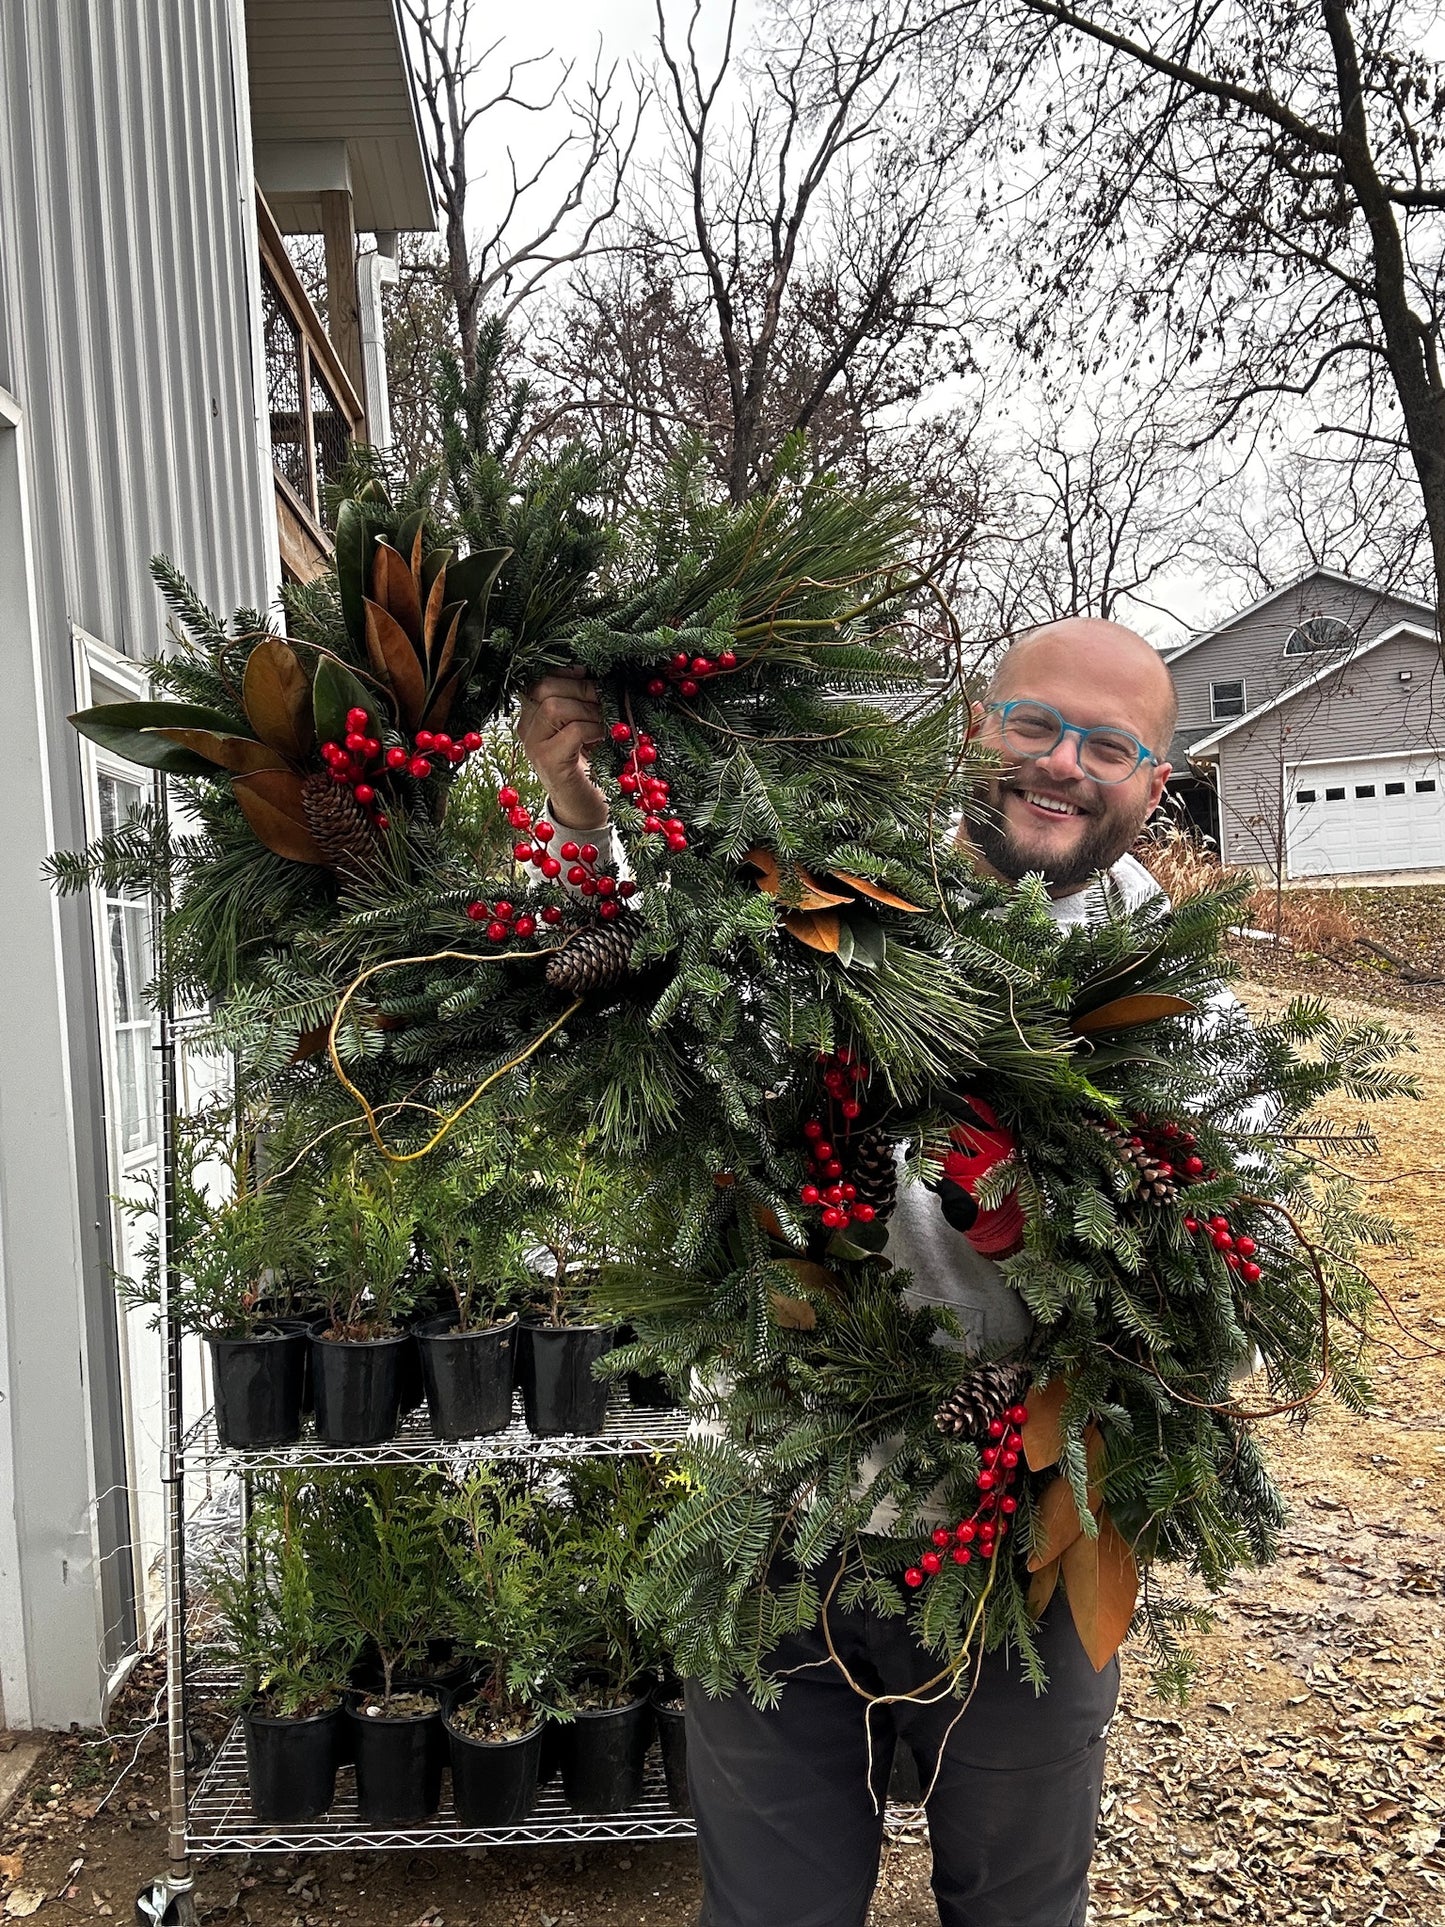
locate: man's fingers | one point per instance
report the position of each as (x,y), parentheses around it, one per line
(567,685)
(549,719)
(572,739)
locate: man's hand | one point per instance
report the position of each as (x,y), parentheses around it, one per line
(559,722)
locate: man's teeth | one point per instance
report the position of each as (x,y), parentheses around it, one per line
(1050,803)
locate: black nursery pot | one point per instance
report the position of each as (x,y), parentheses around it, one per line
(468,1376)
(398,1766)
(602,1756)
(494,1782)
(357,1387)
(672,1733)
(291,1764)
(258,1384)
(555,1367)
(647,1391)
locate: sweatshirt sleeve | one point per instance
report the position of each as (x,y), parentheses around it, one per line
(606,841)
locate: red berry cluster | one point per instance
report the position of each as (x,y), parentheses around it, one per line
(352,763)
(638,781)
(1236,1251)
(577,860)
(1172,1147)
(843,1073)
(688,673)
(503,920)
(983,1530)
(416,762)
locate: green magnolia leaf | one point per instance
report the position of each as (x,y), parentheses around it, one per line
(130,730)
(869,943)
(334,692)
(470,580)
(406,535)
(432,564)
(845,943)
(353,558)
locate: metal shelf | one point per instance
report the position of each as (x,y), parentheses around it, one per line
(219,1818)
(627,1431)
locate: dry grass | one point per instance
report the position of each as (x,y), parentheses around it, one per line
(1183,865)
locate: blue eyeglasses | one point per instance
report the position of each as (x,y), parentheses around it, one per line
(1033,729)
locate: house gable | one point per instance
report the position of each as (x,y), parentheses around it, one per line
(1249,650)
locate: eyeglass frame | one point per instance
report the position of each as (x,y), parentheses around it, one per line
(1145,755)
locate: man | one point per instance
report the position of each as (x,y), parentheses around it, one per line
(1081,713)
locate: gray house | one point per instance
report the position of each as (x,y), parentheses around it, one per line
(1311,729)
(165,385)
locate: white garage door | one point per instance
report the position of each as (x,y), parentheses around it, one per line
(1386,813)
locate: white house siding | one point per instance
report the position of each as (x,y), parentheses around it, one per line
(127,287)
(1251,647)
(1363,710)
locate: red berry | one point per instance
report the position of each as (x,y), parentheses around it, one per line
(627,888)
(834,1194)
(551,914)
(569,851)
(851,1108)
(850,1192)
(357,719)
(647,754)
(942,1536)
(444,743)
(913,1577)
(680,660)
(1008,1460)
(727,660)
(961,1555)
(338,772)
(812,1128)
(652,824)
(701,666)
(507,797)
(526,926)
(550,867)
(627,783)
(620,733)
(1250,1273)
(1222,1241)
(520,818)
(419,767)
(990,1454)
(822,1150)
(674,825)
(355,742)
(504,911)
(657,687)
(687,688)
(1194,1166)
(382,822)
(1217,1223)
(810,1194)
(996,1428)
(472,741)
(397,759)
(864,1213)
(987,1480)
(985,1549)
(1016,1414)
(1191,1224)
(576,874)
(543,830)
(1008,1504)
(930,1562)
(608,909)
(834,1167)
(606,886)
(588,853)
(1246,1247)
(497,932)
(425,740)
(364,793)
(1233,1260)
(478,912)
(832,1217)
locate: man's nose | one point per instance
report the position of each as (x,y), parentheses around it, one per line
(1062,761)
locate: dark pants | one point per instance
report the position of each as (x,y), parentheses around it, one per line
(788,1835)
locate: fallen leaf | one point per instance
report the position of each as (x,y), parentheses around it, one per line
(21,1901)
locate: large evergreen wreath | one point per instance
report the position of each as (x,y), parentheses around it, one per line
(365,885)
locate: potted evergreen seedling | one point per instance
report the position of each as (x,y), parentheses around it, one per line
(470,1261)
(359,1238)
(291,1656)
(379,1578)
(603,1746)
(573,1224)
(505,1613)
(227,1288)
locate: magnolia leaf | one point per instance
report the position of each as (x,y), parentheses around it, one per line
(277,698)
(395,587)
(1057,1523)
(396,662)
(793,1314)
(470,581)
(816,928)
(440,706)
(336,692)
(133,730)
(812,1276)
(1041,1589)
(241,754)
(1101,1579)
(1042,1434)
(409,540)
(432,564)
(877,892)
(273,806)
(869,943)
(431,619)
(449,642)
(845,942)
(310,1043)
(809,895)
(1123,1013)
(353,546)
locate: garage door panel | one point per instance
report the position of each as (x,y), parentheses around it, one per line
(1387,813)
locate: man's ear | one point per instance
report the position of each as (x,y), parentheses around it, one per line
(1162,773)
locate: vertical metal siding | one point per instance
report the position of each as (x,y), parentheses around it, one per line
(127,289)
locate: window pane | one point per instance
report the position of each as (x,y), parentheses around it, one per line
(129,1094)
(1304,796)
(1427,783)
(1364,789)
(1334,796)
(1394,789)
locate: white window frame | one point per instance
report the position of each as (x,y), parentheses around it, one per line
(1221,683)
(1350,639)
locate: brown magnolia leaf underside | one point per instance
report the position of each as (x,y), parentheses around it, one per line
(272,803)
(819,929)
(1041,1589)
(236,753)
(1042,1434)
(1101,1581)
(811,895)
(1124,1013)
(276,694)
(395,662)
(1058,1511)
(396,589)
(814,1277)
(877,892)
(793,1314)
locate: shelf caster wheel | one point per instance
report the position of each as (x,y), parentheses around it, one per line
(166,1903)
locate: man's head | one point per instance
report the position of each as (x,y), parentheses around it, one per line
(1045,813)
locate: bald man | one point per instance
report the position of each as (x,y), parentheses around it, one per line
(1080,713)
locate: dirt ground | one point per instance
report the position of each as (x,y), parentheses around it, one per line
(1305,1783)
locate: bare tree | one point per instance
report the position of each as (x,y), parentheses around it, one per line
(550,214)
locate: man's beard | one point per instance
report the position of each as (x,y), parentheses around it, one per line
(1107,835)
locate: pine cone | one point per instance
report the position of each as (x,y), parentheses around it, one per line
(339,824)
(596,959)
(1154,1185)
(873,1172)
(986,1394)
